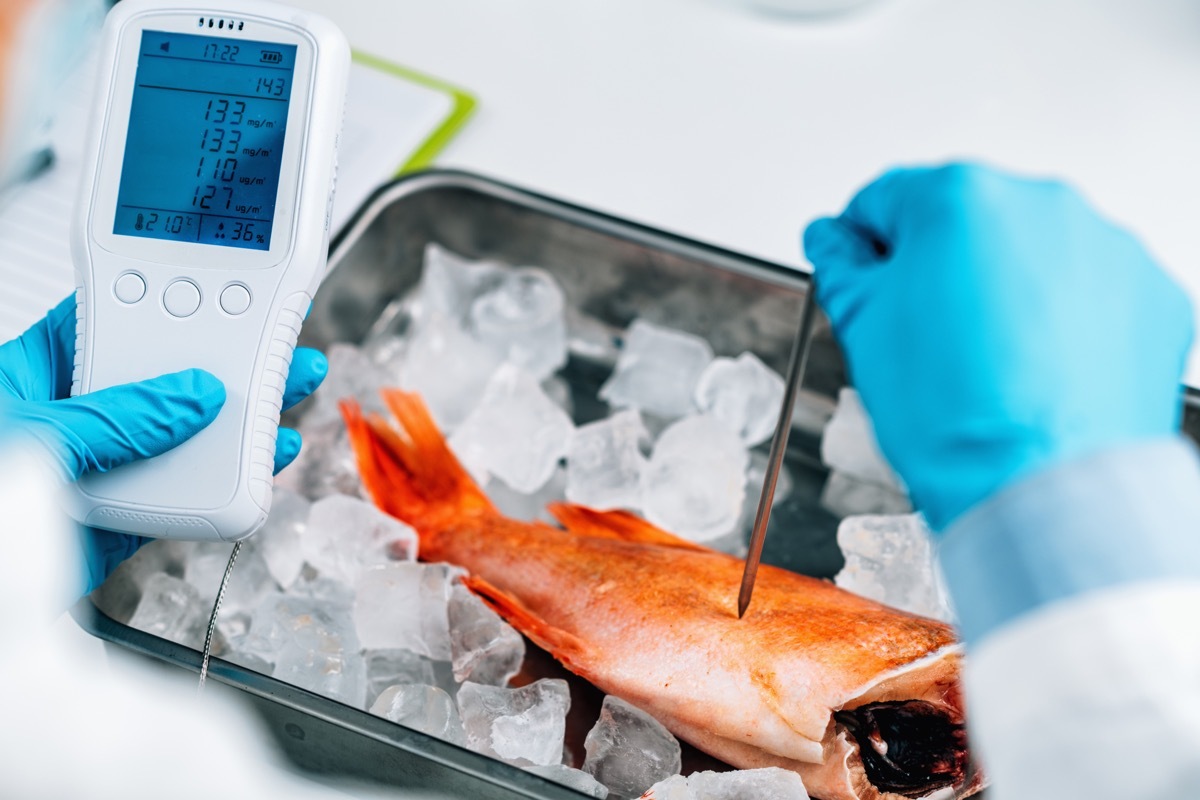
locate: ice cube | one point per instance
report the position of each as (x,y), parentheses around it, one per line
(695,482)
(326,464)
(328,591)
(576,779)
(558,390)
(528,507)
(891,559)
(386,341)
(448,368)
(657,370)
(312,645)
(849,445)
(673,788)
(521,726)
(756,473)
(590,338)
(351,374)
(279,541)
(249,582)
(346,535)
(770,783)
(844,495)
(450,283)
(516,433)
(421,707)
(628,750)
(484,648)
(396,667)
(172,608)
(745,394)
(405,605)
(521,319)
(605,462)
(118,596)
(812,411)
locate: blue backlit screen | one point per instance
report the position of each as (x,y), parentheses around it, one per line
(205,140)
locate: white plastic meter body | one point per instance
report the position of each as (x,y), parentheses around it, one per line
(201,234)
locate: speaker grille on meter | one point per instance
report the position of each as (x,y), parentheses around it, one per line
(221,23)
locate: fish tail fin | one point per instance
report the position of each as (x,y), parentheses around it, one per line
(617,525)
(410,472)
(566,647)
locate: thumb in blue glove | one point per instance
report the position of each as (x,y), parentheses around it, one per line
(100,431)
(996,326)
(105,429)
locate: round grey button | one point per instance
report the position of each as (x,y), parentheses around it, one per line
(235,299)
(181,299)
(130,288)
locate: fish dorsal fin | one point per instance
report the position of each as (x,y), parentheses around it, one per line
(564,646)
(620,525)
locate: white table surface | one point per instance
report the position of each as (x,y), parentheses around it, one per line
(719,123)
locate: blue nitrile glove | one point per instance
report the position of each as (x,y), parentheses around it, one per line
(107,428)
(996,326)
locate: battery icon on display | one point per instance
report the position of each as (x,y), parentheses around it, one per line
(271,57)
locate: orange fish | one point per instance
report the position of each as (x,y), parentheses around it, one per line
(862,700)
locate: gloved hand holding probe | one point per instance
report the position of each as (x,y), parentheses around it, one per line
(1021,358)
(108,428)
(996,326)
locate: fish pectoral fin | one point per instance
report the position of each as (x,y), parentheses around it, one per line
(620,525)
(566,647)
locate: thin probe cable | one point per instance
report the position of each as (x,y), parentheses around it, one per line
(212,620)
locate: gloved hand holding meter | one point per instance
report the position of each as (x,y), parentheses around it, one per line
(201,235)
(103,430)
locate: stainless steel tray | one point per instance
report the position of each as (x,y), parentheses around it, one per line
(615,271)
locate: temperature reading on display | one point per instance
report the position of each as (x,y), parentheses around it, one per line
(205,141)
(168,223)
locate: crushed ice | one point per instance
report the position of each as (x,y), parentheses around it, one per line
(891,559)
(769,783)
(329,596)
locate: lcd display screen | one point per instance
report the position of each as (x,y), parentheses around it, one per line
(205,141)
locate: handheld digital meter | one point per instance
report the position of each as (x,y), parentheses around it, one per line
(201,235)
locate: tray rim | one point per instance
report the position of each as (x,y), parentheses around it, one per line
(602,222)
(792,278)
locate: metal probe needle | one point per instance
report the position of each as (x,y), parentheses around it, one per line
(795,375)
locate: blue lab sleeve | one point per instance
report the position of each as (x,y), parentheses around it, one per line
(1078,590)
(1123,515)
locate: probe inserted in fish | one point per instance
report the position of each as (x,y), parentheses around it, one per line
(793,380)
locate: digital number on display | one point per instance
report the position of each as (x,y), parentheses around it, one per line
(205,142)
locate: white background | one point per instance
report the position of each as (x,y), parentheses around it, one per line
(711,120)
